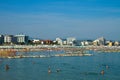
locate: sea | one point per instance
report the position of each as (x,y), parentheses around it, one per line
(62,68)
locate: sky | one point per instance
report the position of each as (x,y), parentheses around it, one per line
(48,19)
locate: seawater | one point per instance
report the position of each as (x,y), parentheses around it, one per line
(71,68)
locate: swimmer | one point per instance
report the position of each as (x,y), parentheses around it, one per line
(107,66)
(102,72)
(6,67)
(58,70)
(49,71)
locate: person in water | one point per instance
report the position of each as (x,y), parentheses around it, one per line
(107,66)
(58,70)
(49,70)
(7,67)
(102,72)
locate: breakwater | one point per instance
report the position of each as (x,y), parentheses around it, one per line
(25,48)
(10,51)
(46,56)
(105,49)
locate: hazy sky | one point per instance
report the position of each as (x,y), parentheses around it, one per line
(48,19)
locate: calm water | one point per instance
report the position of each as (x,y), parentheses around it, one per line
(71,68)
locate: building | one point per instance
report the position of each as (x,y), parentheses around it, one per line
(47,42)
(99,41)
(77,42)
(86,43)
(116,43)
(59,41)
(8,39)
(1,39)
(35,40)
(70,40)
(110,44)
(21,39)
(64,41)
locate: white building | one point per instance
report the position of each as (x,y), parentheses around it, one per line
(86,43)
(70,40)
(59,41)
(21,38)
(116,43)
(8,38)
(64,42)
(99,41)
(35,40)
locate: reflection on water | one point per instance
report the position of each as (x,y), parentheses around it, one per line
(62,68)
